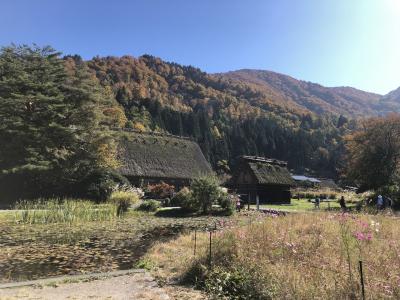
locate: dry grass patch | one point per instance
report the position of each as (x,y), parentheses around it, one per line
(301,256)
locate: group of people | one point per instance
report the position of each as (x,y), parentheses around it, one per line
(383,202)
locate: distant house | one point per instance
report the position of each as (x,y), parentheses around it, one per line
(151,158)
(305,181)
(262,180)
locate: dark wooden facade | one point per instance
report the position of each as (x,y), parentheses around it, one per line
(262,179)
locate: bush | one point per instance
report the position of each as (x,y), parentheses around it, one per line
(227,203)
(123,200)
(309,195)
(149,205)
(161,190)
(99,184)
(237,284)
(183,199)
(332,196)
(205,192)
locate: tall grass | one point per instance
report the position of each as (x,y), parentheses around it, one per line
(300,256)
(46,211)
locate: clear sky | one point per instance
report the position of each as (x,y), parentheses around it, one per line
(331,42)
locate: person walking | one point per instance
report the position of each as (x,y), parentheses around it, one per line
(317,202)
(238,205)
(379,202)
(342,203)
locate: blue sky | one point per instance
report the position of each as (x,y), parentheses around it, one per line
(331,42)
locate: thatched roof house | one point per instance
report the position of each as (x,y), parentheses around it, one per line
(263,180)
(151,158)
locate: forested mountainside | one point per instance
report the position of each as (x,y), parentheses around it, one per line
(226,117)
(314,97)
(391,101)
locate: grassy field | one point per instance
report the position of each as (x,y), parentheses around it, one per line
(310,254)
(299,256)
(303,205)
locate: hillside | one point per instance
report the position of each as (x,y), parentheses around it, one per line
(226,117)
(240,113)
(307,95)
(391,102)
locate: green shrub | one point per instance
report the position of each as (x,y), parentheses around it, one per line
(332,196)
(100,184)
(238,283)
(205,192)
(309,195)
(227,203)
(144,264)
(149,205)
(123,200)
(183,199)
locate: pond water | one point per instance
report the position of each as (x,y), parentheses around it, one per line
(41,251)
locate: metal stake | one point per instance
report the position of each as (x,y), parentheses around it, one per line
(195,241)
(209,255)
(362,280)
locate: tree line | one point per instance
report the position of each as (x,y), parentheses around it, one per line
(57,114)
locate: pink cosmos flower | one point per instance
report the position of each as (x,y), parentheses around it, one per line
(359,236)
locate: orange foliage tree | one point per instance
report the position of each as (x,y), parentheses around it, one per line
(373,153)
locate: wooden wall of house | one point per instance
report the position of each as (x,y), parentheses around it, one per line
(267,194)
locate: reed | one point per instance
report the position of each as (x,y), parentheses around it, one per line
(46,211)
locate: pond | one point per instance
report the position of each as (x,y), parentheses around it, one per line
(30,252)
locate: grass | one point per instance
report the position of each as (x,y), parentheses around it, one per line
(69,211)
(302,205)
(300,256)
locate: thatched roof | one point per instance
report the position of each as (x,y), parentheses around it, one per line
(264,171)
(161,156)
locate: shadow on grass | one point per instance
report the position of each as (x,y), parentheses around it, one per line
(177,212)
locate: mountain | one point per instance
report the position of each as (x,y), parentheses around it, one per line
(391,102)
(310,96)
(227,117)
(244,112)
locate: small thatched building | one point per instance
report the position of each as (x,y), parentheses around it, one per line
(262,180)
(149,158)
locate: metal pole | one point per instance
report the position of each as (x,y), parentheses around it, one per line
(195,241)
(362,280)
(258,202)
(209,254)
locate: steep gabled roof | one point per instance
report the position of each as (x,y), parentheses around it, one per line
(161,156)
(265,171)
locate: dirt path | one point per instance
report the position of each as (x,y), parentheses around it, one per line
(132,286)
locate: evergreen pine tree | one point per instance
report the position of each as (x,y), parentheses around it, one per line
(48,121)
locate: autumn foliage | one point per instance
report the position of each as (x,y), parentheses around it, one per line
(373,153)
